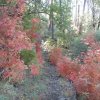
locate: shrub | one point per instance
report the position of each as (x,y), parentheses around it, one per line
(89,74)
(97,36)
(67,68)
(54,55)
(13,40)
(85,77)
(28,56)
(77,48)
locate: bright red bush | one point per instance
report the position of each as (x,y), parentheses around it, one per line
(13,39)
(35,71)
(90,72)
(86,76)
(39,52)
(54,55)
(66,67)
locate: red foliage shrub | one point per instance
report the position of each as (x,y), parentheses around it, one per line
(35,70)
(66,67)
(90,72)
(64,64)
(13,39)
(55,54)
(39,51)
(86,76)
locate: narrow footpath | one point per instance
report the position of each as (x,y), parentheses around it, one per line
(58,88)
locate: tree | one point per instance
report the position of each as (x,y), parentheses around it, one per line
(57,16)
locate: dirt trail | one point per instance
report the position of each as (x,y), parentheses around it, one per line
(58,88)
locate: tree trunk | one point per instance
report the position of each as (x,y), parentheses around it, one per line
(93,16)
(80,26)
(51,22)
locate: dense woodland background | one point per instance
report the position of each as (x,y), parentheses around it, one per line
(39,34)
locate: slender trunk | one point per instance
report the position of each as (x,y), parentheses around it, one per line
(98,23)
(93,16)
(78,20)
(80,26)
(76,14)
(51,22)
(60,4)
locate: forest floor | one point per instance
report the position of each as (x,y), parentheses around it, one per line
(48,86)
